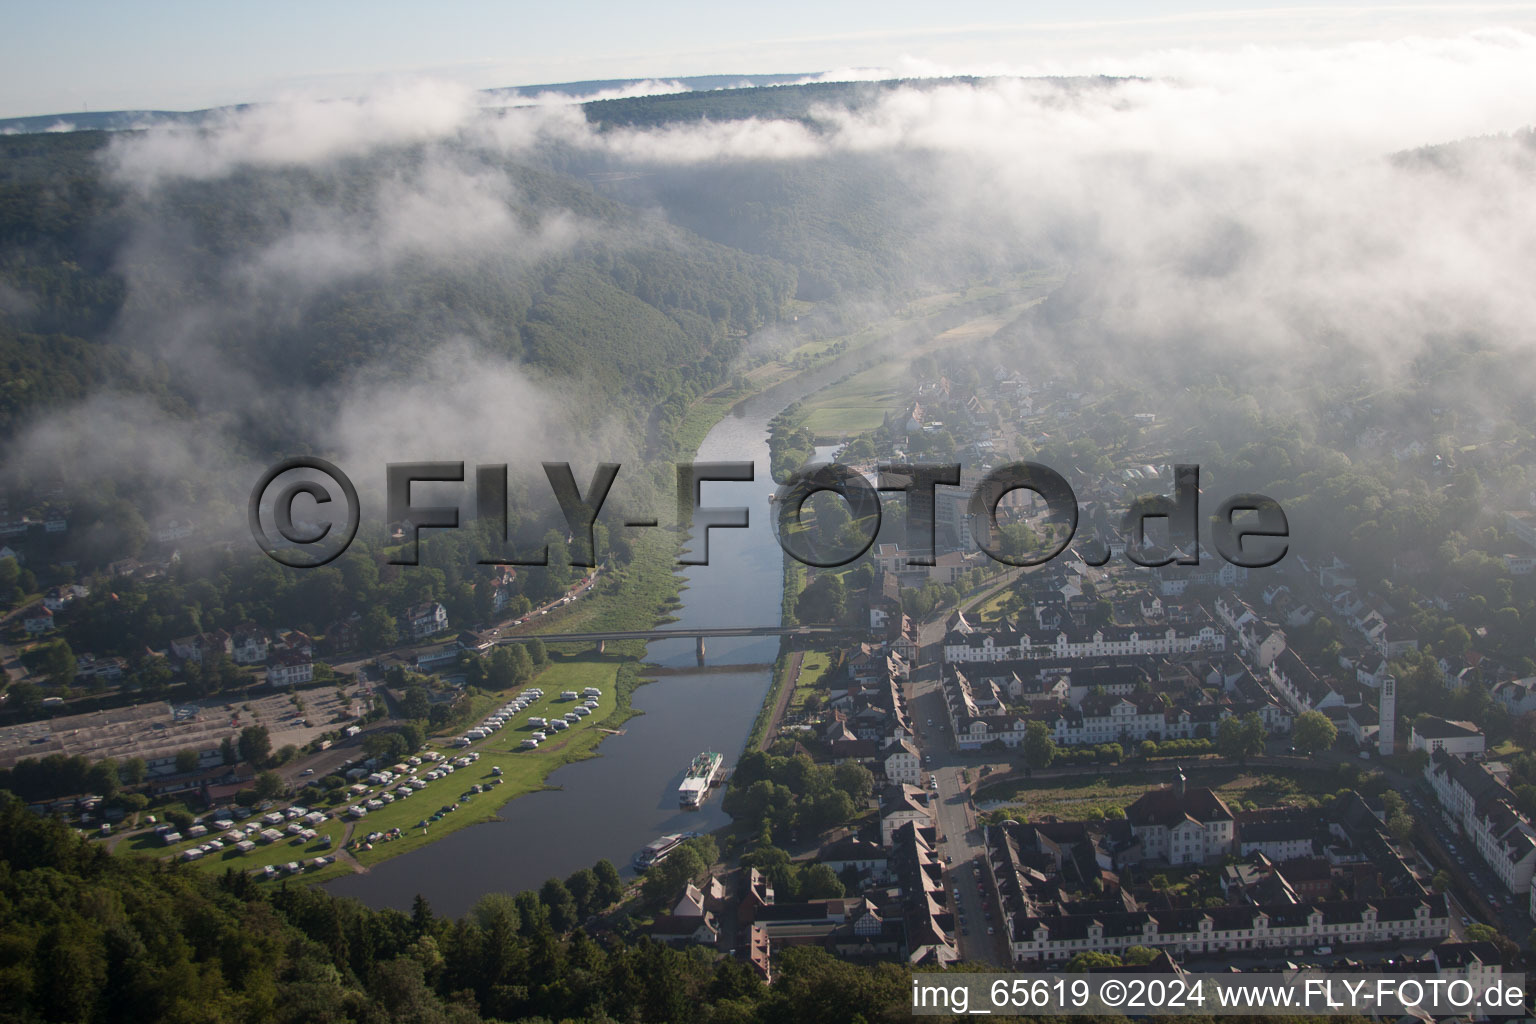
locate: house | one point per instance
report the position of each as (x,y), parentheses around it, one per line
(109,670)
(37,619)
(344,634)
(857,855)
(1518,695)
(902,762)
(758,952)
(424,620)
(477,643)
(167,531)
(289,667)
(700,902)
(1182,825)
(684,931)
(248,644)
(902,805)
(202,645)
(946,568)
(1461,738)
(56,599)
(294,640)
(883,599)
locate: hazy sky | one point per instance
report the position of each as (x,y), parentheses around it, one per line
(106,55)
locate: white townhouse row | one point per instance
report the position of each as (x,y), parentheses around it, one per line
(1231,929)
(1104,642)
(1474,796)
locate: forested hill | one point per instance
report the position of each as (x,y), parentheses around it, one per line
(96,280)
(90,937)
(637,277)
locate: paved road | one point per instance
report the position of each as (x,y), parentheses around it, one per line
(791,676)
(961,843)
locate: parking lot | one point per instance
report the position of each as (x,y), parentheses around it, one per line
(158,730)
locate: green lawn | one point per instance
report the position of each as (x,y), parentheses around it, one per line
(813,667)
(992,608)
(857,404)
(1071,798)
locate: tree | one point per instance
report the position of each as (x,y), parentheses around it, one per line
(706,847)
(378,631)
(421,916)
(583,888)
(1039,746)
(1479,932)
(536,652)
(667,879)
(25,696)
(855,780)
(103,779)
(135,770)
(415,704)
(825,600)
(387,746)
(557,899)
(255,745)
(1313,733)
(59,663)
(820,882)
(1080,963)
(413,735)
(1442,881)
(269,786)
(1241,738)
(831,809)
(227,752)
(186,761)
(521,664)
(610,887)
(10,590)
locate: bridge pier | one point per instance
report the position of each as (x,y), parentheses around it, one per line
(602,645)
(699,648)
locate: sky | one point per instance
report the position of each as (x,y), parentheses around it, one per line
(105,55)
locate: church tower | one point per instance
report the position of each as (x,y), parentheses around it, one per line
(1386,737)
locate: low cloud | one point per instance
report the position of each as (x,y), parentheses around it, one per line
(1244,200)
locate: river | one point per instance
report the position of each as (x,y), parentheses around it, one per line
(611,805)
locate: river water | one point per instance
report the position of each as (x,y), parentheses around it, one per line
(612,805)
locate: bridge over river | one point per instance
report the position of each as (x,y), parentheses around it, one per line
(698,634)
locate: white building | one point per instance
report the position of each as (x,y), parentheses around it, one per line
(1197,930)
(902,762)
(426,620)
(1182,825)
(289,668)
(1474,796)
(1460,738)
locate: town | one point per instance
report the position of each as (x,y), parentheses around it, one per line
(1074,765)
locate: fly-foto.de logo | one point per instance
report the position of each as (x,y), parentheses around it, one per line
(1247,530)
